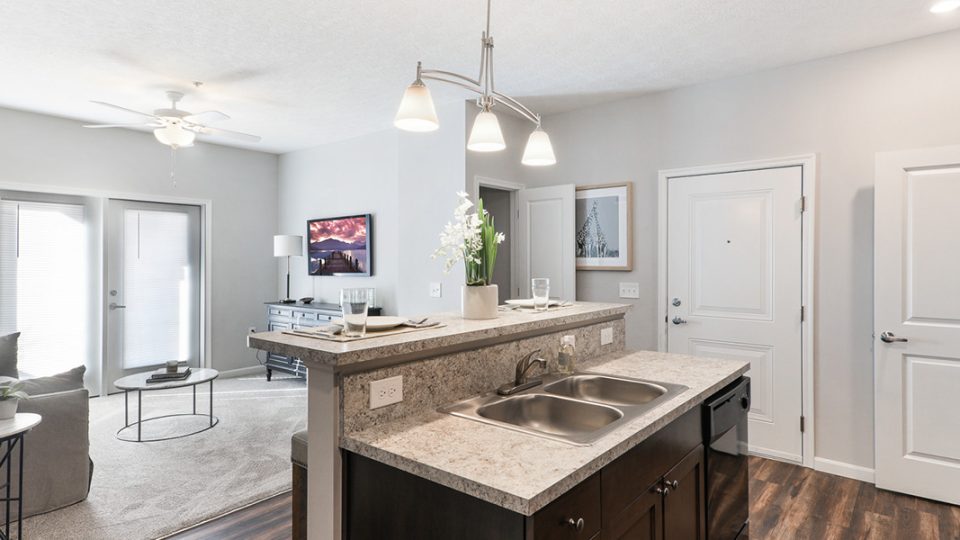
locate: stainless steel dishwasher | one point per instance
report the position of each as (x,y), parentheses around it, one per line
(727,478)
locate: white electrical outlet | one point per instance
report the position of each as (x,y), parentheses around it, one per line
(629,290)
(606,336)
(386,391)
(436,290)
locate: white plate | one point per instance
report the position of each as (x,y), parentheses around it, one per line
(528,302)
(376,323)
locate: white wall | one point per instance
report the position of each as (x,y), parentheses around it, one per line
(845,108)
(43,152)
(408,181)
(354,176)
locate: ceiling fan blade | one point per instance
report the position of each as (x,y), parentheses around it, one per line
(227,133)
(206,117)
(112,106)
(142,124)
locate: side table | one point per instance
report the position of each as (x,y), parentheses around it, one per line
(12,431)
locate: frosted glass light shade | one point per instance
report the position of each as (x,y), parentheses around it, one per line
(174,135)
(945,6)
(287,245)
(485,136)
(539,151)
(416,112)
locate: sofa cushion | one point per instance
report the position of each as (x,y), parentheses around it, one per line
(62,382)
(8,355)
(298,448)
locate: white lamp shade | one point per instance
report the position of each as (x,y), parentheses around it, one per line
(174,135)
(287,245)
(539,151)
(485,136)
(416,112)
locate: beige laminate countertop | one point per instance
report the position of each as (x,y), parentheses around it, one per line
(457,334)
(522,472)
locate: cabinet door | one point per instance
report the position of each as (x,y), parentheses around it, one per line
(684,516)
(641,520)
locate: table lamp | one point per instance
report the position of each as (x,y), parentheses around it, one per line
(288,245)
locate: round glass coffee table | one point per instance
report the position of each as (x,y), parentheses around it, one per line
(139,383)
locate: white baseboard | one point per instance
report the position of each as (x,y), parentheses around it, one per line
(775,455)
(243,372)
(841,468)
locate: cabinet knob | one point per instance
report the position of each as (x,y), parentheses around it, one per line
(661,490)
(673,484)
(576,524)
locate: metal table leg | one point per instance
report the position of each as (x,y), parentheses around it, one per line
(126,408)
(6,525)
(20,440)
(211,403)
(194,399)
(139,414)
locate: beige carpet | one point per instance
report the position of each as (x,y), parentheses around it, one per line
(148,490)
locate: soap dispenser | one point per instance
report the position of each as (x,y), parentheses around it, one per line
(567,359)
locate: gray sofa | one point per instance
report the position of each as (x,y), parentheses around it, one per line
(57,468)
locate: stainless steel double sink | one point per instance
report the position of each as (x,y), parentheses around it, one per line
(576,409)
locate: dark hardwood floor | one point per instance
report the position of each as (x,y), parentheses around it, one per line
(787,502)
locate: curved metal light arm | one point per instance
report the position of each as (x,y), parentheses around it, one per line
(474,86)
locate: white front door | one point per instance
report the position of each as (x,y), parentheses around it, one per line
(917,322)
(153,286)
(734,276)
(547,239)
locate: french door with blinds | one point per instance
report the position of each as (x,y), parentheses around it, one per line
(152,286)
(44,284)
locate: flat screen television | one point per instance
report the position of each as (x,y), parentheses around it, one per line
(340,246)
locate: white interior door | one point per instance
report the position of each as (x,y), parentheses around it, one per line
(734,277)
(917,322)
(153,286)
(547,241)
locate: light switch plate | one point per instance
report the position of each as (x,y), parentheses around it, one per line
(606,336)
(386,391)
(629,290)
(436,290)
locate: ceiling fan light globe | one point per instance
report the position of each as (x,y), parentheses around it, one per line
(416,112)
(174,135)
(486,136)
(539,151)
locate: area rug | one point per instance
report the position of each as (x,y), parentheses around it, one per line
(149,490)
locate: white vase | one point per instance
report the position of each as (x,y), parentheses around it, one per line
(479,302)
(8,408)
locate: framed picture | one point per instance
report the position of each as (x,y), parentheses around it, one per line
(341,246)
(604,218)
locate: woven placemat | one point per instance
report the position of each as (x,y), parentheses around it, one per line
(369,335)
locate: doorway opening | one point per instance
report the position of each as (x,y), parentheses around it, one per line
(500,199)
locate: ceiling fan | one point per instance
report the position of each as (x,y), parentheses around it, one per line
(175,127)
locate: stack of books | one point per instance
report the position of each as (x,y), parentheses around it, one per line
(163,375)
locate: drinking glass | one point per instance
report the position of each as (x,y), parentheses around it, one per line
(354,304)
(541,293)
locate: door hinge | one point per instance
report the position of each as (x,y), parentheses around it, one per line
(803,424)
(803,313)
(803,203)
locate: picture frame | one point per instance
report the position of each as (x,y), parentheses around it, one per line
(604,227)
(340,246)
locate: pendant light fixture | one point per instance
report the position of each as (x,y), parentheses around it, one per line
(417,112)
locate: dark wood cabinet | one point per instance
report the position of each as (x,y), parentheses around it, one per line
(684,505)
(653,492)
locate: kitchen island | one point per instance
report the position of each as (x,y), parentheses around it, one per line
(501,470)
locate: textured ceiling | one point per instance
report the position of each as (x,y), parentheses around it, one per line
(307,72)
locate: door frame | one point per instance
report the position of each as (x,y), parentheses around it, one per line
(809,175)
(206,259)
(513,188)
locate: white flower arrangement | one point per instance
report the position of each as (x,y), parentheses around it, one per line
(470,238)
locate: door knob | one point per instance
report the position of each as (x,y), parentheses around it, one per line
(678,320)
(114,305)
(676,302)
(888,337)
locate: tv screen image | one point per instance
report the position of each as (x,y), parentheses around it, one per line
(340,246)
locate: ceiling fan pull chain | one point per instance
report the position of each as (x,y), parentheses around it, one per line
(173,166)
